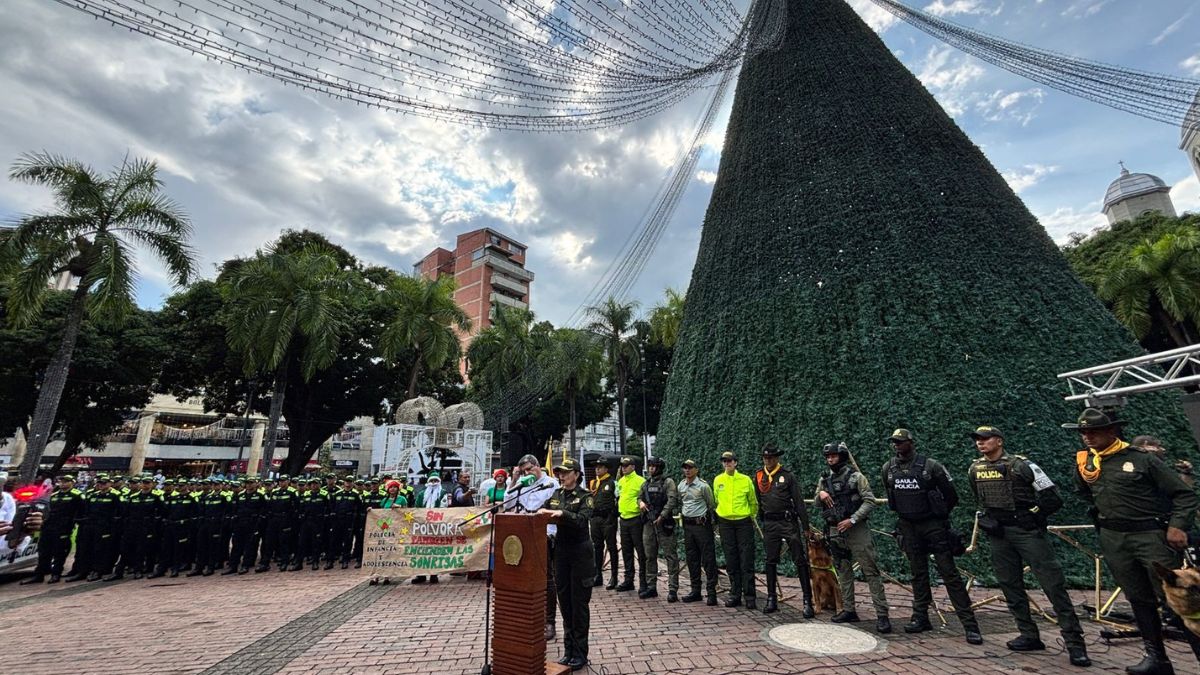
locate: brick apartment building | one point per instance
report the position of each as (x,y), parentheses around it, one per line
(489,269)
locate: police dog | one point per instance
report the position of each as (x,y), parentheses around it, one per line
(1183,593)
(826,594)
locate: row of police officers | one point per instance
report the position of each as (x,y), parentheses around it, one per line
(197,526)
(1141,509)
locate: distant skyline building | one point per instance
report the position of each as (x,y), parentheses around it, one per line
(1136,194)
(489,270)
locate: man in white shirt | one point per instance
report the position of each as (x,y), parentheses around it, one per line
(529,488)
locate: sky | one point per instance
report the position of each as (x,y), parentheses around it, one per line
(247,157)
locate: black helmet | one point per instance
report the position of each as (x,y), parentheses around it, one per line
(838,449)
(656,461)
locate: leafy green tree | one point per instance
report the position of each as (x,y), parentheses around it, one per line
(285,304)
(112,371)
(666,318)
(1160,280)
(422,317)
(648,382)
(502,352)
(574,364)
(613,321)
(98,219)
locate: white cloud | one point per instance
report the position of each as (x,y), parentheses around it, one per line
(1166,32)
(1019,106)
(1027,176)
(1064,221)
(708,177)
(878,18)
(1186,195)
(1080,9)
(948,77)
(568,248)
(954,7)
(1192,64)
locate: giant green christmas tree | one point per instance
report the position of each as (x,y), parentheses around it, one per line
(864,267)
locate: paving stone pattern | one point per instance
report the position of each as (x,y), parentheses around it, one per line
(332,623)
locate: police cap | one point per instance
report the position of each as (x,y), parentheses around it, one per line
(986,432)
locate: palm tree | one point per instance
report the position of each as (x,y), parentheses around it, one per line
(1160,281)
(280,304)
(97,221)
(500,353)
(612,321)
(424,317)
(572,363)
(666,318)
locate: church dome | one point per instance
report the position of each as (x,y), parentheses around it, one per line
(1129,185)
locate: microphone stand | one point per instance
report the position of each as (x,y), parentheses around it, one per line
(487,604)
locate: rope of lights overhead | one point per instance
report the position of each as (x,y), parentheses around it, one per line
(1154,96)
(511,64)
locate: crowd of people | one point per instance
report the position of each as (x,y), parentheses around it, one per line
(148,526)
(1142,509)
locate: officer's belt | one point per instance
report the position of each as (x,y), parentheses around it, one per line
(1122,525)
(602,514)
(781,515)
(630,520)
(702,520)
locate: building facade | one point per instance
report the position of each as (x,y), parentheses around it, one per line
(1189,140)
(489,271)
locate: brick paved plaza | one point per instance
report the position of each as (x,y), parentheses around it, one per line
(334,622)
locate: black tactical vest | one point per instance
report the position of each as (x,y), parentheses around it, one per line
(656,496)
(909,490)
(844,490)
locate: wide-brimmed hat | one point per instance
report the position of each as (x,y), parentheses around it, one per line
(1094,418)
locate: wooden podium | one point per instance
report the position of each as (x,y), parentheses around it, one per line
(519,586)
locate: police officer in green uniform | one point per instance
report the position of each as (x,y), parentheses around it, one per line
(697,506)
(313,513)
(659,502)
(179,512)
(846,502)
(139,537)
(1017,498)
(281,520)
(100,527)
(604,523)
(211,510)
(65,508)
(1142,511)
(920,492)
(570,507)
(785,520)
(250,510)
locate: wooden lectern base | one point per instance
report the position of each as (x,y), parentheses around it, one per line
(553,668)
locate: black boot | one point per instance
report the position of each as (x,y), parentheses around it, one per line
(772,604)
(918,624)
(194,573)
(694,596)
(35,579)
(54,578)
(207,572)
(231,570)
(1155,661)
(806,588)
(751,603)
(329,565)
(711,600)
(612,583)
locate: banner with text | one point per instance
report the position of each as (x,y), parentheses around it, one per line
(411,542)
